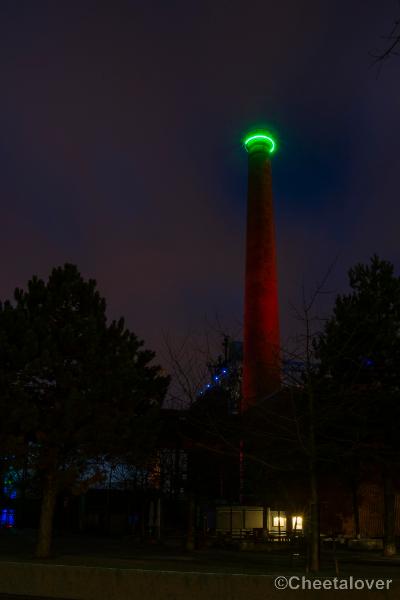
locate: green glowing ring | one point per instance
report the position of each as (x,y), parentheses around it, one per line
(260,137)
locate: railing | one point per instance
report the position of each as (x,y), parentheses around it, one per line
(260,537)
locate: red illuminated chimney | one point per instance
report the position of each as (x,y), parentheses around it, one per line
(261,357)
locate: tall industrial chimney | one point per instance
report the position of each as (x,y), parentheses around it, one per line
(261,357)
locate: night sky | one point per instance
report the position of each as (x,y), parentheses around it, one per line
(120,144)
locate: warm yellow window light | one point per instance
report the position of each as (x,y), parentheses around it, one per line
(297,523)
(279,521)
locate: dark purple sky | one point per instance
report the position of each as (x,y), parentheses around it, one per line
(120,129)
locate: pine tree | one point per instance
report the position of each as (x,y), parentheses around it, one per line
(360,354)
(73,386)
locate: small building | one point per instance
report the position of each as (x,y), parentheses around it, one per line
(241,521)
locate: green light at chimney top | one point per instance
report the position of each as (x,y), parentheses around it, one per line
(260,138)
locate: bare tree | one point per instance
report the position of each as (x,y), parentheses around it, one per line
(391,45)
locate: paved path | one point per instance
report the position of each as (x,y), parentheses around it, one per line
(125,553)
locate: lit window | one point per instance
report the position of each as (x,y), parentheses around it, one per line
(279,521)
(297,523)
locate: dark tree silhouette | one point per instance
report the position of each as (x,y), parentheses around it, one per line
(360,355)
(72,386)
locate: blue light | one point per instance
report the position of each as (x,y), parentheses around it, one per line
(9,492)
(208,385)
(216,378)
(7,518)
(224,371)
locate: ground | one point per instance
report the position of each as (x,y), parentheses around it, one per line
(125,552)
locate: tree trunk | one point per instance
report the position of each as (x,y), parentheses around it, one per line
(143,521)
(22,502)
(46,516)
(314,554)
(389,542)
(81,512)
(108,502)
(190,523)
(314,522)
(356,510)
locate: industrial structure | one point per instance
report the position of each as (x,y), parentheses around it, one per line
(261,356)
